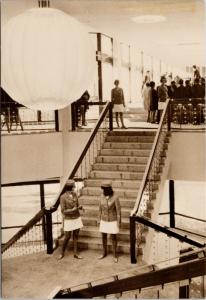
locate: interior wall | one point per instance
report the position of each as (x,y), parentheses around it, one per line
(29,157)
(73,144)
(188,159)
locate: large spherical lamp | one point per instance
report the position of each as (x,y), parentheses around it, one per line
(47,59)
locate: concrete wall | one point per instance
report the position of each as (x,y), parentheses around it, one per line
(28,157)
(31,157)
(74,143)
(188,159)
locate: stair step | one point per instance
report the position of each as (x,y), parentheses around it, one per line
(128,145)
(145,139)
(95,191)
(116,175)
(93,231)
(122,159)
(132,133)
(127,152)
(119,167)
(128,184)
(92,200)
(95,243)
(92,221)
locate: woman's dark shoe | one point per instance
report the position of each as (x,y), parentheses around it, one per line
(77,256)
(102,256)
(60,256)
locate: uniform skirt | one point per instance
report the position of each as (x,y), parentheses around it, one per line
(73,224)
(118,108)
(109,227)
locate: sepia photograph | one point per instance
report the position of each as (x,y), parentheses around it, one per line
(103,149)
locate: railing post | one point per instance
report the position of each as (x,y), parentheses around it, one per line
(42,200)
(172,203)
(110,117)
(49,233)
(184,288)
(169,116)
(133,240)
(56,116)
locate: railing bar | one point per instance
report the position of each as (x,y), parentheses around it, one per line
(169,274)
(189,217)
(167,231)
(144,267)
(89,141)
(197,234)
(143,183)
(36,182)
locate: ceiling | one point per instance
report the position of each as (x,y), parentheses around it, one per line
(180,40)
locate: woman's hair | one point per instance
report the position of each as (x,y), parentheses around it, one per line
(116,81)
(162,78)
(69,188)
(152,83)
(108,191)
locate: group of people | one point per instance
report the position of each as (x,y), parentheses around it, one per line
(154,98)
(109,219)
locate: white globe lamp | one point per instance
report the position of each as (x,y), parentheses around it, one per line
(47,59)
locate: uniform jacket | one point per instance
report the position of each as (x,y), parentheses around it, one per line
(68,201)
(110,210)
(162,93)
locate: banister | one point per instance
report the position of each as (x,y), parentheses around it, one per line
(166,230)
(182,271)
(88,143)
(45,211)
(143,183)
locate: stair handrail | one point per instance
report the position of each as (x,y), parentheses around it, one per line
(184,270)
(108,107)
(168,231)
(46,211)
(151,157)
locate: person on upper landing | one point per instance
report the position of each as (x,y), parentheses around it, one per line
(117,98)
(196,72)
(147,79)
(162,90)
(180,91)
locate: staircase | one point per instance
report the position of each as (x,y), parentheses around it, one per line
(122,160)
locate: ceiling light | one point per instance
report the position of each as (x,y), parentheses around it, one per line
(149,19)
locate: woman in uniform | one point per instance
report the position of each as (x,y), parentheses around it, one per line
(110,218)
(72,221)
(117,98)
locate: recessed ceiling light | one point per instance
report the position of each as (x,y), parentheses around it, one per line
(149,19)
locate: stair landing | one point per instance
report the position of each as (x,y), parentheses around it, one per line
(40,267)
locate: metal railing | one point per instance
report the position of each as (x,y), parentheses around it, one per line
(151,179)
(81,169)
(150,182)
(48,220)
(136,283)
(185,113)
(32,236)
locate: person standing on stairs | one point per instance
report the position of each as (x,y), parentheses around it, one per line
(110,218)
(117,98)
(72,221)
